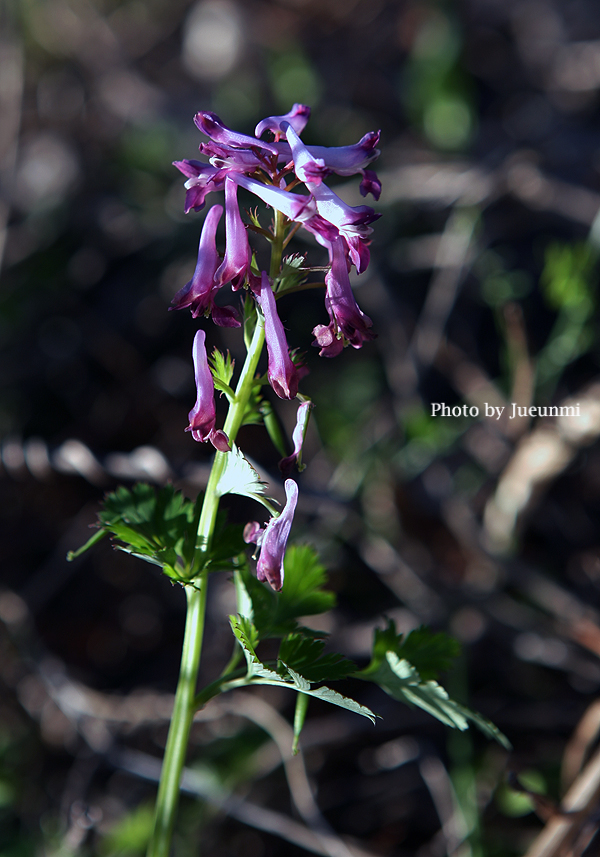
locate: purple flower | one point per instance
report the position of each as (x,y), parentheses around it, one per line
(370,184)
(297,117)
(231,159)
(237,259)
(295,206)
(199,294)
(273,540)
(211,125)
(202,416)
(283,375)
(202,180)
(346,316)
(351,221)
(328,340)
(286,464)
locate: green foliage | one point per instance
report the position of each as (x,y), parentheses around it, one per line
(305,656)
(273,427)
(402,680)
(276,614)
(160,527)
(239,477)
(258,673)
(222,372)
(293,273)
(131,834)
(430,653)
(568,284)
(566,277)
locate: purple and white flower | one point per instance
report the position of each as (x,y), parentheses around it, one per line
(202,416)
(282,373)
(273,539)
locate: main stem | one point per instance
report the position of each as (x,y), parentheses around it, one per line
(167,798)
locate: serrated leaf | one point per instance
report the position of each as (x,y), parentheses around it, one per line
(221,367)
(276,614)
(240,477)
(402,681)
(305,656)
(429,652)
(293,273)
(247,636)
(258,673)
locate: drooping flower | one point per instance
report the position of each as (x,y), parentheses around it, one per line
(273,539)
(202,416)
(237,259)
(345,315)
(200,292)
(286,464)
(283,375)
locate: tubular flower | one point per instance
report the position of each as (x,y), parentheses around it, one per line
(237,252)
(346,316)
(202,416)
(199,294)
(263,168)
(273,539)
(286,464)
(283,375)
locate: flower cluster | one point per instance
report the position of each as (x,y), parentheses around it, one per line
(289,177)
(271,171)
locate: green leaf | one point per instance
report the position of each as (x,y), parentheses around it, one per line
(402,681)
(293,273)
(161,527)
(258,673)
(305,656)
(222,371)
(429,652)
(240,477)
(276,614)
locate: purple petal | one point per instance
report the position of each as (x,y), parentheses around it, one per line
(219,440)
(307,168)
(283,375)
(202,415)
(197,294)
(211,125)
(340,302)
(327,340)
(370,184)
(286,464)
(237,251)
(274,540)
(252,533)
(297,117)
(231,159)
(202,179)
(295,206)
(225,316)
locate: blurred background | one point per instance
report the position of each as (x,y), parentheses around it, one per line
(482,288)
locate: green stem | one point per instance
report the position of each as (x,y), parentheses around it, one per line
(183,711)
(185,697)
